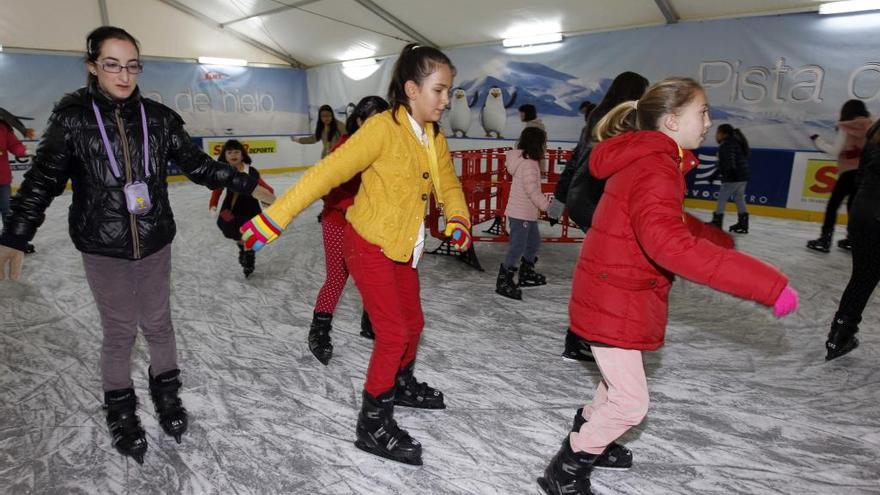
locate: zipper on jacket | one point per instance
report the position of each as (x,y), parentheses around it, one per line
(132,219)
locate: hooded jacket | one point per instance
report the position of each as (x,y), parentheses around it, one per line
(99,220)
(641,238)
(526,201)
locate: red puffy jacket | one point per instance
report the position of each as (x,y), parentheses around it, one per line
(641,238)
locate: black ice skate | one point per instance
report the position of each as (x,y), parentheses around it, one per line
(576,348)
(742,224)
(528,277)
(845,244)
(320,342)
(568,472)
(616,457)
(378,433)
(505,285)
(367,326)
(172,415)
(842,337)
(248,261)
(822,244)
(411,393)
(124,423)
(717,220)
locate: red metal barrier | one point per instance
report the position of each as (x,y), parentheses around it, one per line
(486,186)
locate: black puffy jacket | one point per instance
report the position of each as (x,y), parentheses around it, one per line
(72,148)
(733,164)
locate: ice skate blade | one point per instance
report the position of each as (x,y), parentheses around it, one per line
(419,405)
(138,458)
(611,468)
(818,249)
(416,461)
(527,285)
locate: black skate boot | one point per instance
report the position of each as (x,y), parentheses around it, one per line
(742,224)
(249,262)
(616,457)
(528,277)
(568,472)
(576,348)
(124,423)
(411,393)
(240,255)
(320,342)
(30,249)
(367,326)
(717,220)
(378,433)
(172,415)
(845,244)
(505,285)
(822,244)
(842,337)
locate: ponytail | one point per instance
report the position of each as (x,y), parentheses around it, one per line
(620,119)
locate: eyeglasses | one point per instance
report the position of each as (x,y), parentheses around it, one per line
(115,67)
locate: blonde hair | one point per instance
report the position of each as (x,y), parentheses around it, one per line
(661,98)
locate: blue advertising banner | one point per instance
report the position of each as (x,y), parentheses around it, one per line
(769,183)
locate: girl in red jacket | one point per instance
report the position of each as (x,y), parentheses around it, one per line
(332,227)
(640,239)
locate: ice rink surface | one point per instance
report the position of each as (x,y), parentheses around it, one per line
(741,403)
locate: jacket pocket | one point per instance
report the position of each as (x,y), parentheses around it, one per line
(629,283)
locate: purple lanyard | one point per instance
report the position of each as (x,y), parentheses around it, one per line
(113,164)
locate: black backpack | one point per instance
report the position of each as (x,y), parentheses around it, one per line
(584,192)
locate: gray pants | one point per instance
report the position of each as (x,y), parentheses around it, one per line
(132,293)
(735,189)
(524,241)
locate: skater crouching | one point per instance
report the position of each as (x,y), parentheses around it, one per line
(236,208)
(640,238)
(525,203)
(114,146)
(403,158)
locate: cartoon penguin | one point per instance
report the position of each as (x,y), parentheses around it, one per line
(494,114)
(460,111)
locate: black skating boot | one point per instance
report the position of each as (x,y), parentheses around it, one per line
(30,249)
(742,224)
(842,337)
(616,457)
(412,393)
(528,277)
(378,433)
(172,415)
(505,284)
(822,244)
(717,220)
(249,262)
(576,348)
(568,472)
(124,423)
(367,326)
(240,255)
(320,342)
(845,244)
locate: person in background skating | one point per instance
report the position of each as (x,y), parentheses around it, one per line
(237,208)
(10,143)
(524,205)
(733,170)
(529,114)
(864,231)
(403,158)
(626,86)
(328,131)
(332,227)
(640,239)
(847,147)
(114,146)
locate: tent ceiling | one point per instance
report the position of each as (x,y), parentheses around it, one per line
(314,32)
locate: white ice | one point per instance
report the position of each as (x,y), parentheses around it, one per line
(741,403)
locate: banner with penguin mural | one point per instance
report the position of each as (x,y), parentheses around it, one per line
(778,78)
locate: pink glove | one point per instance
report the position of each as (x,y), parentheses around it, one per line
(786,303)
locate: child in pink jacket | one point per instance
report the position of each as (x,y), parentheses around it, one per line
(525,204)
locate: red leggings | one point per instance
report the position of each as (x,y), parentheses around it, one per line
(390,291)
(332,225)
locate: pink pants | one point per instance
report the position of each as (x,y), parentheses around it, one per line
(620,401)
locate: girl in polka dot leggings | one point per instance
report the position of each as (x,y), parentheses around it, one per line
(332,225)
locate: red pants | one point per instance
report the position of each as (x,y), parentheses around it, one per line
(332,225)
(390,291)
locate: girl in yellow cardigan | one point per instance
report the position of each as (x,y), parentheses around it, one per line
(403,158)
